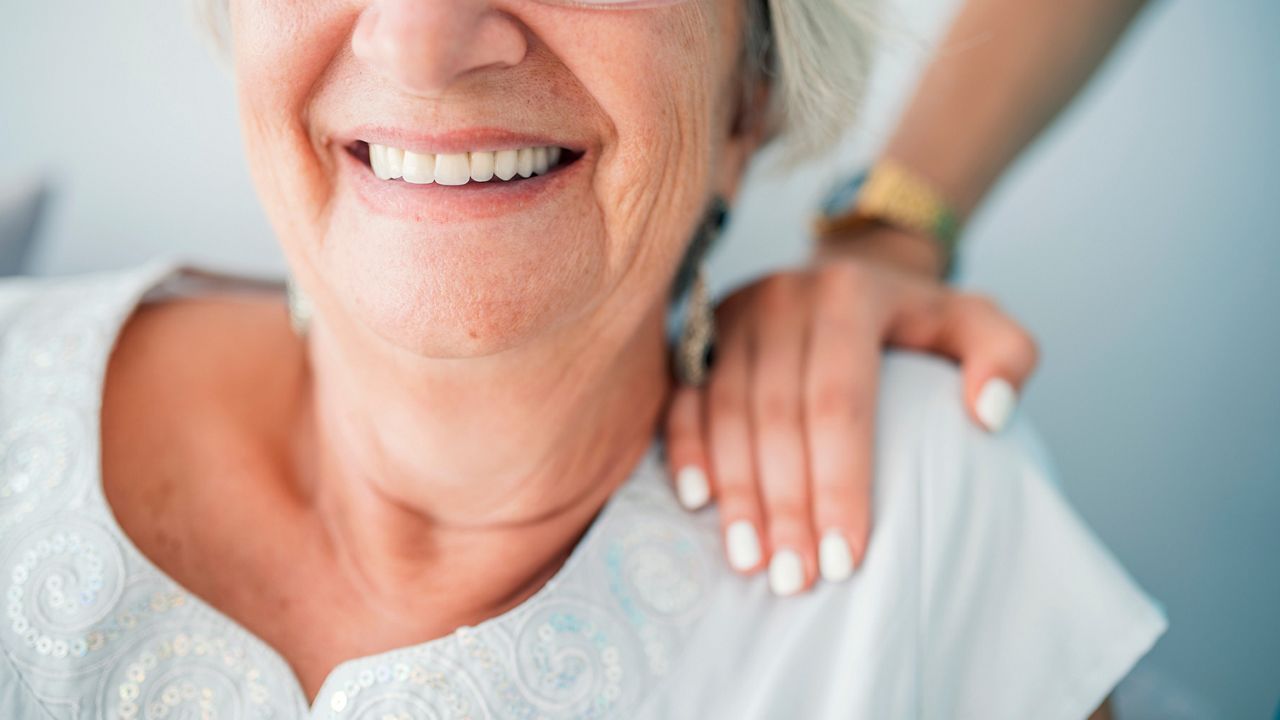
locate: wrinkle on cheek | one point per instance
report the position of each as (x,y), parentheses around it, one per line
(289,173)
(284,52)
(677,189)
(272,32)
(295,180)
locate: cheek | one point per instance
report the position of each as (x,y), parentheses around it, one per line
(647,79)
(282,50)
(654,77)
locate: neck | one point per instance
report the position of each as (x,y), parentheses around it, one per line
(452,489)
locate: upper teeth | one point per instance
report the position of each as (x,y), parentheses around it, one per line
(390,163)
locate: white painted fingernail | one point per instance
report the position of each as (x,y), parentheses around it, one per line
(692,487)
(786,573)
(996,403)
(835,560)
(744,545)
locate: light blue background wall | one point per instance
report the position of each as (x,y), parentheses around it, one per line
(1138,241)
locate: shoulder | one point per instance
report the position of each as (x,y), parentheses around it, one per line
(956,490)
(81,310)
(191,392)
(1012,582)
(978,571)
(78,591)
(17,290)
(935,464)
(55,336)
(921,413)
(55,333)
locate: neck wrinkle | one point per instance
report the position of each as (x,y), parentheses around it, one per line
(442,502)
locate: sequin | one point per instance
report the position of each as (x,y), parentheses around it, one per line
(81,603)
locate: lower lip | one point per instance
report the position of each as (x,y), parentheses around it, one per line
(455,203)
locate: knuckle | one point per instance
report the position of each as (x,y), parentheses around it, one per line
(838,281)
(845,507)
(1026,346)
(845,273)
(679,436)
(724,401)
(729,308)
(737,498)
(845,495)
(776,409)
(835,401)
(980,304)
(935,300)
(776,294)
(682,414)
(830,399)
(787,512)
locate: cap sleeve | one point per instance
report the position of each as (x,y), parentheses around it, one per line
(1024,613)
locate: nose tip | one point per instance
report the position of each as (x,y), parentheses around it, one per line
(424,46)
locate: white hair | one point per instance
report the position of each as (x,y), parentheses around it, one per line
(815,56)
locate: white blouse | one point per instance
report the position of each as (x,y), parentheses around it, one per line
(982,594)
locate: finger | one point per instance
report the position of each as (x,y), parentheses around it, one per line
(729,436)
(777,421)
(996,353)
(997,357)
(841,389)
(686,452)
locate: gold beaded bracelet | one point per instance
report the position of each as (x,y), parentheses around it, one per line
(892,194)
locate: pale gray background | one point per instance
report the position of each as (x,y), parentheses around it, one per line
(1138,242)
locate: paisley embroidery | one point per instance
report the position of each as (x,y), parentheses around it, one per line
(92,624)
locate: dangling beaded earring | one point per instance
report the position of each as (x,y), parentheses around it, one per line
(695,349)
(299,307)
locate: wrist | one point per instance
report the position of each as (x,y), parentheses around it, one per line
(891,200)
(912,252)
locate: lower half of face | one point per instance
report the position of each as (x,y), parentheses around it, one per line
(543,169)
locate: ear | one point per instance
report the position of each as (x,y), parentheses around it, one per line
(747,133)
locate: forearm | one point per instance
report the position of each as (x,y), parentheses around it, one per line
(1003,72)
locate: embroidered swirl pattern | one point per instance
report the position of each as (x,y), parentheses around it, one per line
(64,578)
(90,625)
(191,670)
(39,455)
(413,684)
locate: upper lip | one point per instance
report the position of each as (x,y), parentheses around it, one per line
(455,141)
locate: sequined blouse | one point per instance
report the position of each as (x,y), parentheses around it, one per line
(982,593)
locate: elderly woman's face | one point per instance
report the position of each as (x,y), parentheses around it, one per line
(641,100)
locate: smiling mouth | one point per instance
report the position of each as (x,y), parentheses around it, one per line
(497,167)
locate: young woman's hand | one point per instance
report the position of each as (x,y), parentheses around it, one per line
(782,434)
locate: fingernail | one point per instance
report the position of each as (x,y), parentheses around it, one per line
(786,573)
(744,545)
(692,487)
(996,403)
(835,560)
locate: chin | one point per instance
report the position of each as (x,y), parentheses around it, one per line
(454,292)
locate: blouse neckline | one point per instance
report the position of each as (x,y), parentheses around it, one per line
(616,562)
